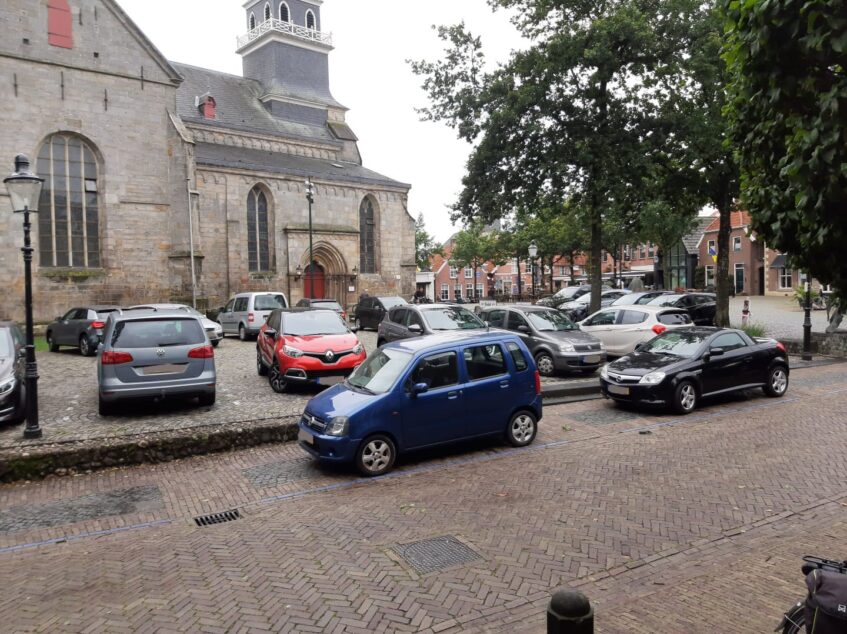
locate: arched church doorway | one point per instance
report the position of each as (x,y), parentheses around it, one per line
(314,281)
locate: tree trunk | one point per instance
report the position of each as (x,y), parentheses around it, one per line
(595,198)
(722,271)
(596,259)
(571,257)
(551,274)
(518,260)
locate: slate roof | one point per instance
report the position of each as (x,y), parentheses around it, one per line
(254,160)
(238,105)
(691,242)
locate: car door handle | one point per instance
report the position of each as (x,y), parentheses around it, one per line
(453,395)
(504,384)
(747,359)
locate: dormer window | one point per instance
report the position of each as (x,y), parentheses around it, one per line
(267,11)
(208,107)
(311,23)
(252,22)
(284,12)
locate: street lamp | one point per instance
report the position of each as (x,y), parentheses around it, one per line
(533,251)
(310,270)
(807,323)
(24,189)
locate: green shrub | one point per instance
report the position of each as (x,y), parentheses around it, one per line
(754,330)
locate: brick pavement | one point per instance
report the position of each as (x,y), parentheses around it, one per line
(594,503)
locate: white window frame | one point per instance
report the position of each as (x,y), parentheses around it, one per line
(710,275)
(445,292)
(267,12)
(469,291)
(457,290)
(287,8)
(736,243)
(468,273)
(782,274)
(454,272)
(314,20)
(739,266)
(710,246)
(251,21)
(479,290)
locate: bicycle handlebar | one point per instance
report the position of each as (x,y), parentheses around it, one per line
(818,563)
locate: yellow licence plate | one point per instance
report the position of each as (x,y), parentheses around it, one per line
(617,389)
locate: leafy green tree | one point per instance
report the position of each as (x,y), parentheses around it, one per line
(567,118)
(425,245)
(788,66)
(473,247)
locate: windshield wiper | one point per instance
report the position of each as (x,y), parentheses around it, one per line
(666,352)
(361,387)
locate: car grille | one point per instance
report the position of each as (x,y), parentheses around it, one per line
(588,347)
(337,356)
(313,422)
(623,379)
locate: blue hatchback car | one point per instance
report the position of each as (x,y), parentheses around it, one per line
(423,392)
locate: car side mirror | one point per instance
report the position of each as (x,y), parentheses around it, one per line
(716,352)
(640,347)
(523,328)
(59,318)
(419,388)
(416,328)
(270,332)
(22,353)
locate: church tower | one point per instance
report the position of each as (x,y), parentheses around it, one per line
(286,51)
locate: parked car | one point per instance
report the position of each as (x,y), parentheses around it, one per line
(644,297)
(556,343)
(578,309)
(155,355)
(621,328)
(328,304)
(679,367)
(371,310)
(414,320)
(12,367)
(213,329)
(245,314)
(80,327)
(302,345)
(422,392)
(565,295)
(700,306)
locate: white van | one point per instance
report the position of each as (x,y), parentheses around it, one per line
(245,313)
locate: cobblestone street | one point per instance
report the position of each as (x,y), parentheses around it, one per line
(692,524)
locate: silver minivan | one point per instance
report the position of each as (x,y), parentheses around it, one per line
(245,314)
(154,355)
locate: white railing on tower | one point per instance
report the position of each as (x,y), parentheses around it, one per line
(290,28)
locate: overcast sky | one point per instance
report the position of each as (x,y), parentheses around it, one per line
(368,74)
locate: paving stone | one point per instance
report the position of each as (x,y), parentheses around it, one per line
(603,416)
(276,473)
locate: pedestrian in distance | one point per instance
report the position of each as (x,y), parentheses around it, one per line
(745,313)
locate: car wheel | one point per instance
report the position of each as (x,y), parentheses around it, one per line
(105,408)
(777,382)
(376,455)
(50,343)
(85,346)
(380,342)
(223,332)
(207,400)
(215,343)
(685,398)
(522,429)
(242,332)
(261,368)
(277,379)
(545,364)
(20,414)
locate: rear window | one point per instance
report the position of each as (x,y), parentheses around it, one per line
(674,319)
(391,302)
(327,305)
(484,361)
(517,356)
(268,302)
(104,314)
(630,317)
(158,333)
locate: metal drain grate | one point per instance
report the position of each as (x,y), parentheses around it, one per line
(430,555)
(217,518)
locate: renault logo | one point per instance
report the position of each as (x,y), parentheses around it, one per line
(329,356)
(160,352)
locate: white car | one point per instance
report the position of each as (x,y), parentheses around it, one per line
(213,329)
(621,328)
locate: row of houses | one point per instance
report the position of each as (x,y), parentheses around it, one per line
(755,269)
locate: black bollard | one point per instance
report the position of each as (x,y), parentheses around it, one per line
(570,612)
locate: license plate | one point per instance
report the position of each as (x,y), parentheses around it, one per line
(171,368)
(330,380)
(595,358)
(306,437)
(617,389)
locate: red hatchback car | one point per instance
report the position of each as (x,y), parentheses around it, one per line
(299,345)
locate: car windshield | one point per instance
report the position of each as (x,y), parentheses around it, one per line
(550,321)
(380,371)
(626,300)
(268,302)
(158,333)
(664,300)
(391,302)
(313,323)
(568,291)
(5,343)
(452,318)
(326,305)
(677,343)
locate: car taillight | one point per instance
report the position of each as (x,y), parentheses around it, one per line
(780,346)
(115,358)
(659,329)
(537,383)
(97,325)
(203,352)
(250,317)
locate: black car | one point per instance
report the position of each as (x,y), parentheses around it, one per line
(81,328)
(679,367)
(12,365)
(371,310)
(700,306)
(557,343)
(579,309)
(634,299)
(412,320)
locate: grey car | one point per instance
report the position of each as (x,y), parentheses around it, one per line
(556,342)
(12,366)
(414,320)
(213,329)
(246,313)
(155,355)
(80,327)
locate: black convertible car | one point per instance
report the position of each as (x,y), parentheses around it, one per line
(679,367)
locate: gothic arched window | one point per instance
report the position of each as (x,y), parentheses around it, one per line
(258,233)
(252,21)
(69,209)
(284,12)
(311,23)
(268,13)
(367,236)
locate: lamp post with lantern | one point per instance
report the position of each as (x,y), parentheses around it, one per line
(24,189)
(807,322)
(533,252)
(310,270)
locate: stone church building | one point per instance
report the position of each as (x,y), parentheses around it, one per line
(146,161)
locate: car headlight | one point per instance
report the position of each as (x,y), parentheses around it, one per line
(604,372)
(566,347)
(338,426)
(654,378)
(358,349)
(7,386)
(294,353)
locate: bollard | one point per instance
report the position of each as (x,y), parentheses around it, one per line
(570,612)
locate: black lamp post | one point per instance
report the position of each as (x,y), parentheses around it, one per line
(533,251)
(25,189)
(310,270)
(807,323)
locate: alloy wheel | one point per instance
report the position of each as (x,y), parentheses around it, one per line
(376,455)
(84,346)
(687,397)
(779,381)
(277,379)
(545,364)
(242,333)
(523,428)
